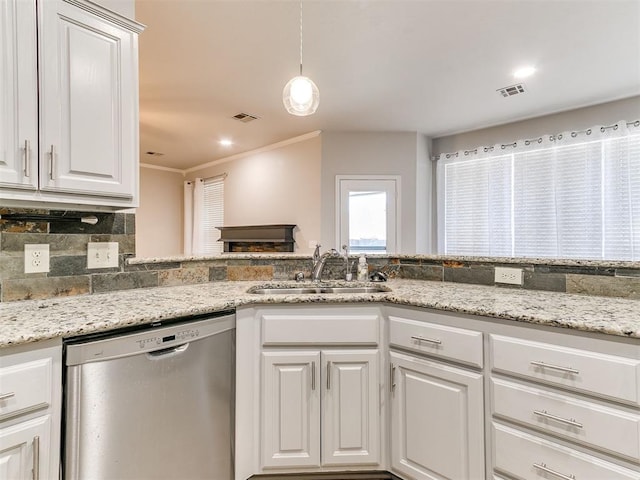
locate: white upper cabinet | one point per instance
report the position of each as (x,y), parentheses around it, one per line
(87,78)
(18,96)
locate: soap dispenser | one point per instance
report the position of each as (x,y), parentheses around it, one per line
(363,269)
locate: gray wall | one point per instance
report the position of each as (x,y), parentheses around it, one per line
(376,153)
(582,118)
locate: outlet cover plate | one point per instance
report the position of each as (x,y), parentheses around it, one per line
(102,254)
(512,276)
(36,258)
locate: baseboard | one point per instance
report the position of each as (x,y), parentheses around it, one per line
(372,475)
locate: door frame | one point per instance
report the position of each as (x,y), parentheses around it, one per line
(389,183)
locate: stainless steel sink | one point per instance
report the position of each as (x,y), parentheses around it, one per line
(315,290)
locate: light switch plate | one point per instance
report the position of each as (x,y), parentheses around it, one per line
(36,258)
(102,254)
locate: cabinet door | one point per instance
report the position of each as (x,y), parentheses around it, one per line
(24,450)
(290,409)
(89,103)
(18,95)
(351,411)
(437,429)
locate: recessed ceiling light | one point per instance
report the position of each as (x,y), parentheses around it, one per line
(524,72)
(225,142)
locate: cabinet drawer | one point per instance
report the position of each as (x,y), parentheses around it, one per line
(25,387)
(608,376)
(438,340)
(582,421)
(528,457)
(320,329)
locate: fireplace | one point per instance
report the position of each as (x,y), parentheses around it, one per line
(258,238)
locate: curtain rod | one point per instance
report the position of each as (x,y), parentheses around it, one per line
(553,138)
(222,176)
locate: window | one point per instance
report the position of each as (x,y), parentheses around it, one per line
(213,215)
(367,213)
(203,213)
(577,198)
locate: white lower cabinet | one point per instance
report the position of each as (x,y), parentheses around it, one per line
(308,390)
(464,397)
(30,411)
(437,426)
(526,456)
(25,450)
(351,408)
(564,407)
(320,408)
(290,409)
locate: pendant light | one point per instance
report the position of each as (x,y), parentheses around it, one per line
(300,95)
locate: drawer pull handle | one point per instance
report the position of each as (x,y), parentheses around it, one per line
(7,396)
(36,458)
(571,421)
(544,468)
(418,338)
(313,375)
(329,375)
(556,367)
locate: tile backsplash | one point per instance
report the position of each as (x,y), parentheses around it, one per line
(69,275)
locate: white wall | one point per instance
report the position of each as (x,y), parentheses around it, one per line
(279,186)
(159,217)
(579,119)
(375,153)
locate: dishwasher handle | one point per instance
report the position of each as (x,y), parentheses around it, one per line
(168,351)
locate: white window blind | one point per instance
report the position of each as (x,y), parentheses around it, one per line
(213,215)
(574,199)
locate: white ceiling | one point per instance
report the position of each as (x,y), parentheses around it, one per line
(431,66)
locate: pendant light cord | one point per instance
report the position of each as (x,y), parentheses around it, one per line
(300,37)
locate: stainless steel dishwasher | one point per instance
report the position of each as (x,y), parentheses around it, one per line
(152,404)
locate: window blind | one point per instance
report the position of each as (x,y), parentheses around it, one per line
(213,215)
(575,200)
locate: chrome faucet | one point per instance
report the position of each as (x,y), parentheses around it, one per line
(319,262)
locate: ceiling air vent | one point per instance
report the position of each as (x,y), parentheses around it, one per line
(245,117)
(511,90)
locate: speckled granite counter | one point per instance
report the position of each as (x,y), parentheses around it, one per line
(30,321)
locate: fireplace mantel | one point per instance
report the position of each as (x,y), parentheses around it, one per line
(258,238)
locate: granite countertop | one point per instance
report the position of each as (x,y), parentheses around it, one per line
(34,320)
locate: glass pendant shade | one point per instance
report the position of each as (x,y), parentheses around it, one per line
(301,96)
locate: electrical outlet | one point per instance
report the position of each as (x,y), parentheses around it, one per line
(512,276)
(102,254)
(36,258)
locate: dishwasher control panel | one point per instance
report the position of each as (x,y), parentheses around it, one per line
(155,338)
